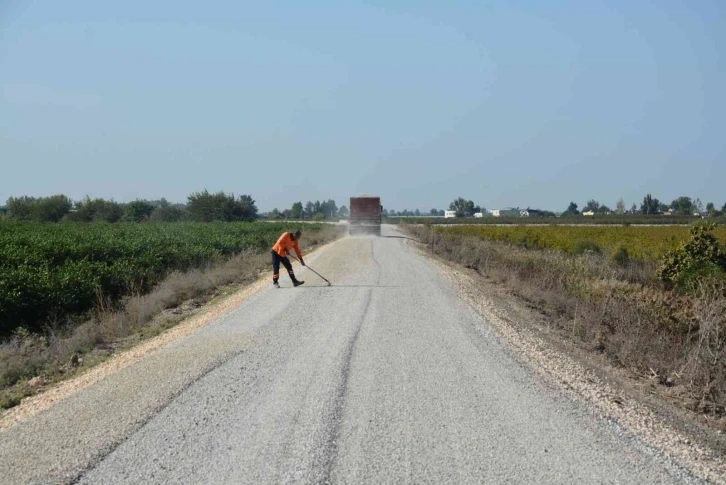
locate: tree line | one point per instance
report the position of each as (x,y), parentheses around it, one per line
(680,206)
(462,207)
(201,206)
(312,211)
(411,213)
(205,206)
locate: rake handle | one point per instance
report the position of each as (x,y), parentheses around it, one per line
(311,269)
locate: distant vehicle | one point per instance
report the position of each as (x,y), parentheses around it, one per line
(365,215)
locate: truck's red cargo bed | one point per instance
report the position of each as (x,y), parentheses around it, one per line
(365,215)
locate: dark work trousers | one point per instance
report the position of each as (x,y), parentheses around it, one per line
(276,260)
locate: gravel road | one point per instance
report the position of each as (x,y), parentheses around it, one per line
(385,377)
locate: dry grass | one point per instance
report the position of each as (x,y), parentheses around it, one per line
(66,348)
(613,307)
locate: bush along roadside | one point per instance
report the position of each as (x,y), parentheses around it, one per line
(621,307)
(700,258)
(30,361)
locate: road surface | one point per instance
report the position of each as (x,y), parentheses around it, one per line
(385,377)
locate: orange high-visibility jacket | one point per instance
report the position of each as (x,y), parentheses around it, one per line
(283,246)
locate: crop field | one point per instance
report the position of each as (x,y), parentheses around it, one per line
(643,243)
(59,269)
(604,220)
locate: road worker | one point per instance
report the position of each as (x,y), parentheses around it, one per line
(286,242)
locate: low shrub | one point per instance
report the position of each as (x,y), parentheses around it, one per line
(701,257)
(620,256)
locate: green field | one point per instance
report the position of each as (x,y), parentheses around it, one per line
(641,242)
(61,269)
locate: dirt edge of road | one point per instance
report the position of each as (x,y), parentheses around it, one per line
(208,313)
(605,390)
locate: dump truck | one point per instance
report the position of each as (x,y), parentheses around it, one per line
(365,215)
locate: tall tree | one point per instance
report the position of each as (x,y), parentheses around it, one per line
(343,211)
(683,205)
(247,207)
(107,210)
(697,206)
(572,210)
(167,213)
(91,210)
(710,209)
(137,211)
(463,207)
(649,205)
(207,207)
(331,208)
(592,205)
(620,206)
(297,210)
(52,209)
(20,208)
(43,209)
(309,210)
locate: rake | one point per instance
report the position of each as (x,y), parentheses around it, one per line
(311,269)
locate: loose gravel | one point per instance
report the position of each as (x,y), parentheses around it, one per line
(388,376)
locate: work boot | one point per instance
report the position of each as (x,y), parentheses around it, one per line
(297,283)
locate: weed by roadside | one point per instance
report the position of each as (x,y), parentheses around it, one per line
(614,305)
(701,257)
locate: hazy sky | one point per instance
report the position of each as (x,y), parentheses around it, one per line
(525,103)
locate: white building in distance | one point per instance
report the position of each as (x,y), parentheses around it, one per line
(509,212)
(449,214)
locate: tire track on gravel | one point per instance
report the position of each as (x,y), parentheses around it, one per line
(331,452)
(152,414)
